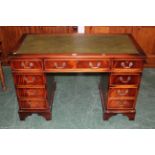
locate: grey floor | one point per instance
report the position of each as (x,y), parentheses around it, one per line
(77,105)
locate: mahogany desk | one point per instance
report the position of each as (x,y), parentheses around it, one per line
(117,55)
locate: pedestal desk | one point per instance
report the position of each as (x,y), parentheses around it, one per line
(118,55)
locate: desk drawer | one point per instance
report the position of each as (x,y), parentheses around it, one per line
(33,104)
(26,79)
(121,104)
(58,64)
(93,64)
(26,64)
(122,92)
(127,65)
(125,79)
(31,92)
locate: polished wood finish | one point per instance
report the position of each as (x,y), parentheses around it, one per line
(10,35)
(30,103)
(124,70)
(124,79)
(31,92)
(29,79)
(119,93)
(108,29)
(120,104)
(33,65)
(73,65)
(144,35)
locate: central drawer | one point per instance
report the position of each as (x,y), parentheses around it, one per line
(77,65)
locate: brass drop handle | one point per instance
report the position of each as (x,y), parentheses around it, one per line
(121,78)
(27,65)
(91,65)
(31,92)
(29,80)
(122,92)
(122,103)
(127,64)
(60,67)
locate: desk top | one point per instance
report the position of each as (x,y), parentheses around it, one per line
(77,43)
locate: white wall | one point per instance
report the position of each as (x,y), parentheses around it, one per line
(81,29)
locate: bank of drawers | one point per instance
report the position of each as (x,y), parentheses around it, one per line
(31,83)
(123,84)
(31,90)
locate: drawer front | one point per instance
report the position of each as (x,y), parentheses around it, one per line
(26,64)
(29,79)
(31,92)
(127,64)
(122,92)
(33,104)
(93,64)
(124,79)
(58,64)
(120,104)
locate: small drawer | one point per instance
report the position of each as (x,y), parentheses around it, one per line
(93,64)
(33,104)
(58,64)
(31,92)
(121,104)
(26,64)
(29,79)
(130,64)
(127,79)
(122,92)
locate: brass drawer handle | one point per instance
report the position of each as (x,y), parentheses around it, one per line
(122,103)
(27,65)
(31,92)
(29,80)
(127,64)
(60,67)
(94,67)
(121,78)
(122,92)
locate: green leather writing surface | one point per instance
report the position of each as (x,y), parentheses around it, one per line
(77,43)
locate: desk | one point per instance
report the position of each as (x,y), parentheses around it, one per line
(118,55)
